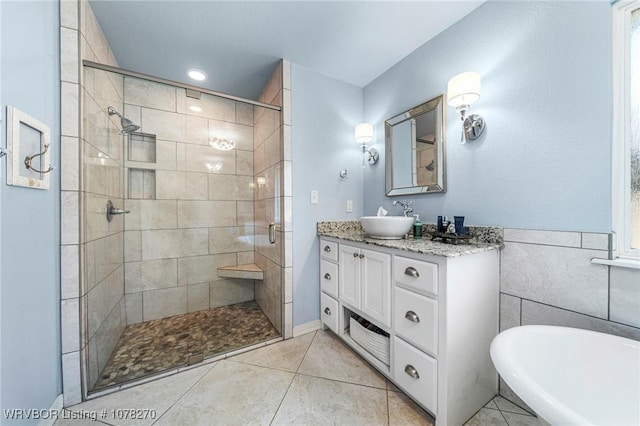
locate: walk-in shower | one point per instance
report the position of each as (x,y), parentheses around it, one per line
(189,273)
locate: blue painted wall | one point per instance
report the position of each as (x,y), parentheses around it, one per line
(324,115)
(544,160)
(30,369)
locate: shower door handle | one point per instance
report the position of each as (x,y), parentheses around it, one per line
(272,233)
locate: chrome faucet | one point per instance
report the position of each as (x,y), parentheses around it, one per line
(406,205)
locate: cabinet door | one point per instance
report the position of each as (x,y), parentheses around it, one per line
(349,281)
(376,286)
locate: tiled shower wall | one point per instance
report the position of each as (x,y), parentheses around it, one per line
(102,153)
(198,216)
(91,258)
(272,168)
(547,278)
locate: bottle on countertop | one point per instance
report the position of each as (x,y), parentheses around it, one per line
(417,228)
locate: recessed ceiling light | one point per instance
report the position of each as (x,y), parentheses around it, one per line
(195,108)
(196,74)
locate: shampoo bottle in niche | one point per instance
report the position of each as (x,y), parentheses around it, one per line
(417,228)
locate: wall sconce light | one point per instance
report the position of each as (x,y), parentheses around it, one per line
(261,180)
(462,91)
(364,135)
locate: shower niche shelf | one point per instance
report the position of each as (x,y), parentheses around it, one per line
(248,271)
(141,184)
(141,149)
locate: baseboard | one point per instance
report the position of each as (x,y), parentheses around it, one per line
(307,328)
(56,407)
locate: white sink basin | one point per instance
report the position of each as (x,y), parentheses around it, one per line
(386,227)
(570,376)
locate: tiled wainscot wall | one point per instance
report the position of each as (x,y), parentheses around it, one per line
(547,278)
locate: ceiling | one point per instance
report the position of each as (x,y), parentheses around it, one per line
(238,43)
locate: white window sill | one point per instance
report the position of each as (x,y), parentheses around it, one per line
(620,263)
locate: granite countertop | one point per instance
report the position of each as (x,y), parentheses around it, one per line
(483,239)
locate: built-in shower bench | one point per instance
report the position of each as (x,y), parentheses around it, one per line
(250,271)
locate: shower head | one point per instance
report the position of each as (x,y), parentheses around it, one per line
(127,125)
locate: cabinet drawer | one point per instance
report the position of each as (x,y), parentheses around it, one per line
(329,250)
(415,318)
(416,275)
(329,277)
(329,312)
(417,373)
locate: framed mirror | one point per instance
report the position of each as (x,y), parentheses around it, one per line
(415,150)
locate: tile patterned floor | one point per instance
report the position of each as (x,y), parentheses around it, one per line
(313,379)
(154,346)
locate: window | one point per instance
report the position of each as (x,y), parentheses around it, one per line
(626,125)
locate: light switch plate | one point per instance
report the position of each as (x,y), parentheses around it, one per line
(349,206)
(314,197)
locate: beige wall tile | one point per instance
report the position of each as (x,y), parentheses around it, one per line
(132,246)
(244,113)
(595,241)
(70,159)
(230,240)
(165,125)
(559,276)
(197,297)
(150,275)
(245,257)
(230,187)
(243,135)
(206,214)
(107,335)
(218,108)
(162,244)
(69,55)
(70,325)
(108,252)
(230,291)
(554,238)
(164,303)
(70,271)
(70,109)
(103,298)
(203,158)
(166,156)
(509,311)
(71,377)
(151,214)
(286,143)
(70,227)
(197,130)
(69,14)
(201,269)
(625,296)
(149,94)
(273,151)
(244,163)
(181,185)
(539,314)
(245,213)
(133,303)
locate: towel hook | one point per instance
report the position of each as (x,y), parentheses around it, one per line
(28,159)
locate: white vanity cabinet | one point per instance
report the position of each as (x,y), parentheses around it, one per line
(438,313)
(365,276)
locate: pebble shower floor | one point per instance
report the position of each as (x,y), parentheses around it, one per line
(155,346)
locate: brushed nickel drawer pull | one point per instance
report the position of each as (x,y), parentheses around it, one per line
(411,371)
(412,272)
(355,254)
(361,256)
(327,249)
(412,316)
(327,276)
(327,311)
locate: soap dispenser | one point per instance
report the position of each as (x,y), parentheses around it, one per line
(417,228)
